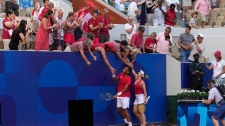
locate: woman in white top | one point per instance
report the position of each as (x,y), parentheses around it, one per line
(34,16)
(218,66)
(122,7)
(192,20)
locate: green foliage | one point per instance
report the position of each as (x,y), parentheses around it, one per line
(191,94)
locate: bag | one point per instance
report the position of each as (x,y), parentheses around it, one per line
(221,89)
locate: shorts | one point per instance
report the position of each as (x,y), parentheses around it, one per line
(140,99)
(123,102)
(203,17)
(58,42)
(67,49)
(69,38)
(219,113)
(103,38)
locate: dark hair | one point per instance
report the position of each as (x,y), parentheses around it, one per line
(91,35)
(22,27)
(48,13)
(9,12)
(168,28)
(129,69)
(211,81)
(189,27)
(172,5)
(70,14)
(124,42)
(45,1)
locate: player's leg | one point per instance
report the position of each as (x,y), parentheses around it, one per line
(141,100)
(120,110)
(135,109)
(125,105)
(143,121)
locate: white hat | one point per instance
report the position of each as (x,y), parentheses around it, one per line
(201,35)
(142,72)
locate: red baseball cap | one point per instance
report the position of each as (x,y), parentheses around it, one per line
(218,53)
(111,46)
(90,4)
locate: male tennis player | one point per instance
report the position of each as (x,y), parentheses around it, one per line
(100,47)
(124,92)
(141,96)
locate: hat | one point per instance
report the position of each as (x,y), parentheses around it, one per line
(201,35)
(196,54)
(96,11)
(141,28)
(142,72)
(90,4)
(218,53)
(111,46)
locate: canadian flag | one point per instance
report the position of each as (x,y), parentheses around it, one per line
(85,22)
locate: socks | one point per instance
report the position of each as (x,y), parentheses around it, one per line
(130,124)
(125,120)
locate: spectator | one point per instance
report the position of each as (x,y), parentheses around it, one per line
(164,41)
(184,42)
(117,4)
(142,16)
(122,7)
(176,3)
(197,47)
(202,7)
(94,25)
(218,65)
(84,15)
(149,5)
(186,5)
(45,2)
(71,24)
(170,18)
(58,33)
(150,43)
(137,39)
(34,17)
(118,48)
(159,14)
(100,47)
(50,6)
(19,34)
(215,96)
(12,5)
(197,71)
(2,6)
(9,24)
(104,30)
(213,3)
(78,30)
(80,47)
(130,28)
(133,10)
(192,20)
(42,37)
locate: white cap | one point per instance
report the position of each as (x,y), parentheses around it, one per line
(142,72)
(201,35)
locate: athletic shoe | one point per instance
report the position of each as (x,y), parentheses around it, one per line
(126,124)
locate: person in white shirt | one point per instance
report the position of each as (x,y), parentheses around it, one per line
(197,47)
(159,14)
(122,7)
(218,65)
(133,10)
(130,29)
(192,20)
(177,4)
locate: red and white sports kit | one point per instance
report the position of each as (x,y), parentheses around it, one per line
(139,93)
(123,81)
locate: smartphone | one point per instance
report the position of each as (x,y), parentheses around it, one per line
(167,37)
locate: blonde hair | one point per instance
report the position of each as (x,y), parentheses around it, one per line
(88,42)
(133,50)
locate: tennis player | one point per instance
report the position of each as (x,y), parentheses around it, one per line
(141,96)
(123,91)
(100,47)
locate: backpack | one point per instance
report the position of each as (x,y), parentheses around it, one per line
(221,89)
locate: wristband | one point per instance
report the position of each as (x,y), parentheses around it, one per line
(114,75)
(119,93)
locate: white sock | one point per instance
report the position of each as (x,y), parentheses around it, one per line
(125,120)
(130,124)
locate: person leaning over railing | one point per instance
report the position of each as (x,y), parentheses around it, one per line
(20,33)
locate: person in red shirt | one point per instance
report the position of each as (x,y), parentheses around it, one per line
(137,39)
(170,16)
(140,94)
(100,47)
(150,43)
(50,6)
(94,25)
(124,92)
(104,31)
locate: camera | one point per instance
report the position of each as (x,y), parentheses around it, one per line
(33,32)
(205,89)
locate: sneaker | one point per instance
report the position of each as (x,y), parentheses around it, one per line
(126,124)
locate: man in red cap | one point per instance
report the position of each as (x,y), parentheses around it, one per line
(100,47)
(84,15)
(218,65)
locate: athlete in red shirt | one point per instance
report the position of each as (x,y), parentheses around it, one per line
(94,25)
(123,91)
(141,95)
(100,47)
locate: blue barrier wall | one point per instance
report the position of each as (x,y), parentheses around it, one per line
(185,75)
(35,87)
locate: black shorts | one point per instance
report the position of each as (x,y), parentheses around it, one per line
(103,38)
(196,84)
(58,42)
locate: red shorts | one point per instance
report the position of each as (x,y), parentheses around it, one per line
(96,40)
(69,38)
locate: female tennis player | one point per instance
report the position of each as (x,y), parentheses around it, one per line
(141,96)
